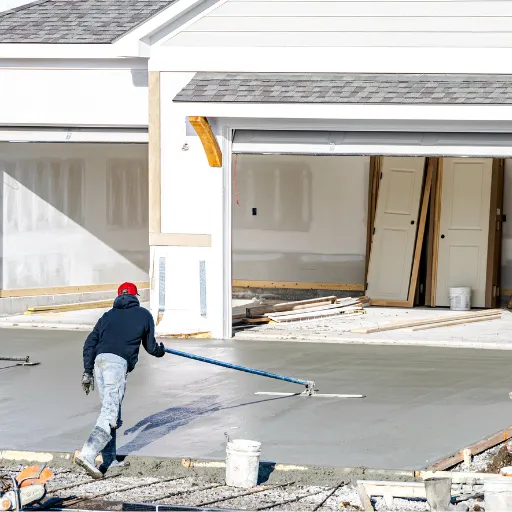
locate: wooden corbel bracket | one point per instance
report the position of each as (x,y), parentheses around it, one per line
(210,144)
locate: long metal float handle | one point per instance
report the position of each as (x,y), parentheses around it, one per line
(310,385)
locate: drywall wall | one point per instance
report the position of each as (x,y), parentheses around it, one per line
(310,218)
(73,214)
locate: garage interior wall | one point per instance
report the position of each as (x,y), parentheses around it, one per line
(73,214)
(309,222)
(310,219)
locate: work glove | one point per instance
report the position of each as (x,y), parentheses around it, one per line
(160,350)
(88,382)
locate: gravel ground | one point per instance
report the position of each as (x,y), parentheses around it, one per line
(194,491)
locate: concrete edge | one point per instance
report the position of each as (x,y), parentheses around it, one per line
(215,469)
(254,336)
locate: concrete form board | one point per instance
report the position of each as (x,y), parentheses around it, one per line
(422,404)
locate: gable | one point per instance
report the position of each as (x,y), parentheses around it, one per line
(341,23)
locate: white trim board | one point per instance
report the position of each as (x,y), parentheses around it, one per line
(372,143)
(327,60)
(73,135)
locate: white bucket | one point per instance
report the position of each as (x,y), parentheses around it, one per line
(460,298)
(242,463)
(498,494)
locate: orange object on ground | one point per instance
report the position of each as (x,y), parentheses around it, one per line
(31,472)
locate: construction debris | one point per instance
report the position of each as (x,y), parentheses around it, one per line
(302,310)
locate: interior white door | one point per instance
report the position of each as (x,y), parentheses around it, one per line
(464,227)
(396,221)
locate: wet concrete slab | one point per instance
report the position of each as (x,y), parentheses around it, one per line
(422,403)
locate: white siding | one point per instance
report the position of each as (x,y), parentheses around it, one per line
(448,23)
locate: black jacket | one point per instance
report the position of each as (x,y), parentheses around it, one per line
(120,331)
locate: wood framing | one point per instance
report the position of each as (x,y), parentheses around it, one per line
(373,192)
(208,140)
(154,153)
(493,274)
(436,222)
(238,283)
(420,235)
(180,240)
(430,238)
(58,290)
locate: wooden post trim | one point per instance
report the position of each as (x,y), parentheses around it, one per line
(208,140)
(180,240)
(154,153)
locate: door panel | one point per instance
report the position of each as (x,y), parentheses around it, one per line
(396,223)
(464,227)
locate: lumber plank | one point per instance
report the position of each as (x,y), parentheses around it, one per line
(257,311)
(420,235)
(436,231)
(430,238)
(154,153)
(389,303)
(71,307)
(423,321)
(476,448)
(318,314)
(60,290)
(260,320)
(328,307)
(458,322)
(297,285)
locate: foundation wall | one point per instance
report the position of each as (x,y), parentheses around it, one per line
(73,214)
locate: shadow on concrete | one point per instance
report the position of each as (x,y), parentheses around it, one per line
(158,425)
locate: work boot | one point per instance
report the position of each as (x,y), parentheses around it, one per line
(92,447)
(109,455)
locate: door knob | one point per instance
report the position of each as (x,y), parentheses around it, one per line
(412,222)
(442,236)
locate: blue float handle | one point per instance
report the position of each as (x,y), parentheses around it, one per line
(310,385)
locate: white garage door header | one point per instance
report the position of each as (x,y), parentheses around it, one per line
(372,143)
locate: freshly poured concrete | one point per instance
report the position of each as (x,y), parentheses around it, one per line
(422,403)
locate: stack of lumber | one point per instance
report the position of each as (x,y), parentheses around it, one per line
(434,322)
(297,311)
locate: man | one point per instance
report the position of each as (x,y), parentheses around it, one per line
(110,352)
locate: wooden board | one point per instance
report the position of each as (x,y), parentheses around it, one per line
(373,192)
(492,285)
(154,152)
(59,290)
(424,321)
(71,307)
(326,307)
(239,283)
(306,315)
(430,238)
(458,322)
(436,231)
(179,240)
(259,311)
(476,448)
(420,235)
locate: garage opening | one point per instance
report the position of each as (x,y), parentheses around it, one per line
(75,220)
(398,218)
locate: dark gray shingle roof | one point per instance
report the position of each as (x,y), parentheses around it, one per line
(347,88)
(75,21)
